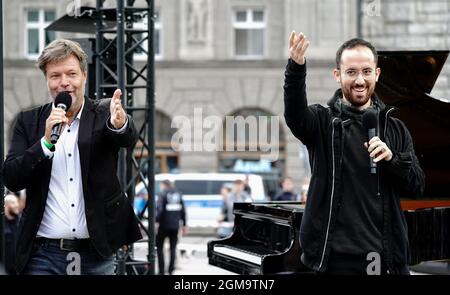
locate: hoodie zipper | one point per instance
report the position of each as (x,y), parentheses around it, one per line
(385,122)
(333,181)
(378,168)
(383,202)
(332,194)
(384,138)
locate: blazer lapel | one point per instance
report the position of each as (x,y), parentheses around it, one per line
(85,138)
(46,110)
(45,182)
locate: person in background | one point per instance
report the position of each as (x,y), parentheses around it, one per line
(11,222)
(170,213)
(225,227)
(288,191)
(247,187)
(238,194)
(304,190)
(22,199)
(225,192)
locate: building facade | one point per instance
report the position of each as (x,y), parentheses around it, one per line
(219,60)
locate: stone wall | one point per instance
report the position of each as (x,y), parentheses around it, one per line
(410,25)
(198,68)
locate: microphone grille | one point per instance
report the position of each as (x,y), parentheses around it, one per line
(369,119)
(63,98)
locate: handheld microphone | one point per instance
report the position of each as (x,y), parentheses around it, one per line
(63,101)
(370,122)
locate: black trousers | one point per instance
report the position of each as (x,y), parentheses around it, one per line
(173,239)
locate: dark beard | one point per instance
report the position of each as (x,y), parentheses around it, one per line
(356,102)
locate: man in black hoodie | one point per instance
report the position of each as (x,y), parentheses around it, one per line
(170,212)
(353,222)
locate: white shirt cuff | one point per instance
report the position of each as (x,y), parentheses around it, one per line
(118,131)
(48,153)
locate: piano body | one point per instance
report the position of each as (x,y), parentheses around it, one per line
(265,235)
(265,239)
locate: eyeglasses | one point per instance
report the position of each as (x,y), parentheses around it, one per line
(353,74)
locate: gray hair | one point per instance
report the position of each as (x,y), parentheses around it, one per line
(61,49)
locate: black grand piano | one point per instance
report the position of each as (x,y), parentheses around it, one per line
(265,237)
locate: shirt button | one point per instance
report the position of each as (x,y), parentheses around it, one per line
(70,155)
(71,179)
(73,229)
(68,130)
(73,205)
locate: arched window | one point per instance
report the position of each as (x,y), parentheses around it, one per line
(166,157)
(254,142)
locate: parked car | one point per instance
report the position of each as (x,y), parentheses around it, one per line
(201,194)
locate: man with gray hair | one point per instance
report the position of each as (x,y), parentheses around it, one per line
(76,215)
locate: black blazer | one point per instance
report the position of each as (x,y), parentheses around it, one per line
(110,217)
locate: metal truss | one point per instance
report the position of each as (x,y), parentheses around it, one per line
(137,162)
(115,44)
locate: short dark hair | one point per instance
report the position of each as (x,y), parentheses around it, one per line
(352,43)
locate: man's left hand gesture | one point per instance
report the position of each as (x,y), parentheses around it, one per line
(118,115)
(378,149)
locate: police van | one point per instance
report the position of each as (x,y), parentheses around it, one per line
(201,194)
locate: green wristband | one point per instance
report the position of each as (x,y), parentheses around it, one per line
(48,145)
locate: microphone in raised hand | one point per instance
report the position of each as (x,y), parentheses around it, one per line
(62,101)
(370,122)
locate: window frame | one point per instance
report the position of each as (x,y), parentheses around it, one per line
(249,24)
(157,26)
(40,25)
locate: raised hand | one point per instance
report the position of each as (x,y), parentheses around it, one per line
(298,44)
(118,115)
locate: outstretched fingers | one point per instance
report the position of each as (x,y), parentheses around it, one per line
(292,39)
(298,45)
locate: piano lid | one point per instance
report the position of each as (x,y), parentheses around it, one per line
(406,80)
(407,75)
